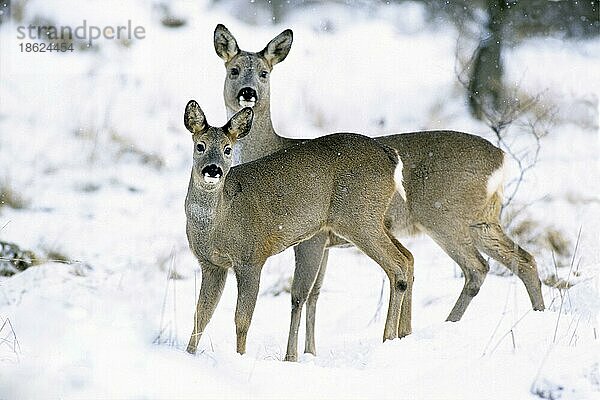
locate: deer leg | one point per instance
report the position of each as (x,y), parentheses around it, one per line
(248,281)
(474,268)
(308,260)
(311,306)
(492,240)
(211,288)
(379,247)
(405,326)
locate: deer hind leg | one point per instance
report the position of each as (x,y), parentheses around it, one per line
(311,306)
(405,326)
(491,239)
(460,247)
(309,256)
(377,244)
(475,269)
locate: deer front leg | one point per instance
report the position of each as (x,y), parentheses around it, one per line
(213,282)
(309,256)
(248,281)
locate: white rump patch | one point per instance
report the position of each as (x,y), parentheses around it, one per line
(496,180)
(399,178)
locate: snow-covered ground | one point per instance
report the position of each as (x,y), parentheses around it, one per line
(95,144)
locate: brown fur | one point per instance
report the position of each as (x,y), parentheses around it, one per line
(259,209)
(446,175)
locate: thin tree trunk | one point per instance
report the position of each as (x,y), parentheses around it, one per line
(485,85)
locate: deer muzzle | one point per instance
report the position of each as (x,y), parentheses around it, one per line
(247,97)
(212,174)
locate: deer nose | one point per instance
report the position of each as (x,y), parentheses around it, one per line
(212,174)
(247,94)
(213,171)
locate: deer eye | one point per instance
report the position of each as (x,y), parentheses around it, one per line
(264,74)
(227,150)
(201,147)
(234,71)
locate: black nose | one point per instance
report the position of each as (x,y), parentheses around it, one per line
(248,94)
(212,170)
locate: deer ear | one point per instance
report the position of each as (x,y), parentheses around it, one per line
(278,48)
(194,118)
(239,125)
(225,44)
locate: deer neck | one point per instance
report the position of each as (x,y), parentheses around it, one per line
(261,141)
(201,207)
(208,230)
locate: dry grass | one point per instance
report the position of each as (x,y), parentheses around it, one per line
(106,136)
(538,238)
(13,259)
(17,10)
(531,233)
(10,198)
(282,286)
(556,282)
(169,19)
(165,264)
(168,330)
(172,22)
(9,340)
(128,147)
(57,256)
(583,112)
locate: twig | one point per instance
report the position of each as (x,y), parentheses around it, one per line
(509,331)
(575,330)
(502,315)
(163,308)
(68,262)
(499,120)
(539,371)
(576,248)
(14,343)
(562,299)
(512,335)
(174,271)
(195,285)
(556,272)
(546,355)
(5,225)
(568,276)
(379,302)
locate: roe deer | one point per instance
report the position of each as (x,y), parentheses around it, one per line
(453,184)
(238,217)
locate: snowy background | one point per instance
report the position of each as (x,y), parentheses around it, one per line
(96,160)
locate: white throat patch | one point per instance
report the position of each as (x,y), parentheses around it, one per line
(247,103)
(211,180)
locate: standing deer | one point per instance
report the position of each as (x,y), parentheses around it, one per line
(453,185)
(238,217)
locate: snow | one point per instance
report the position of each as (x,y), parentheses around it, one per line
(95,142)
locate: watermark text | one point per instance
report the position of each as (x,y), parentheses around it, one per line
(84,32)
